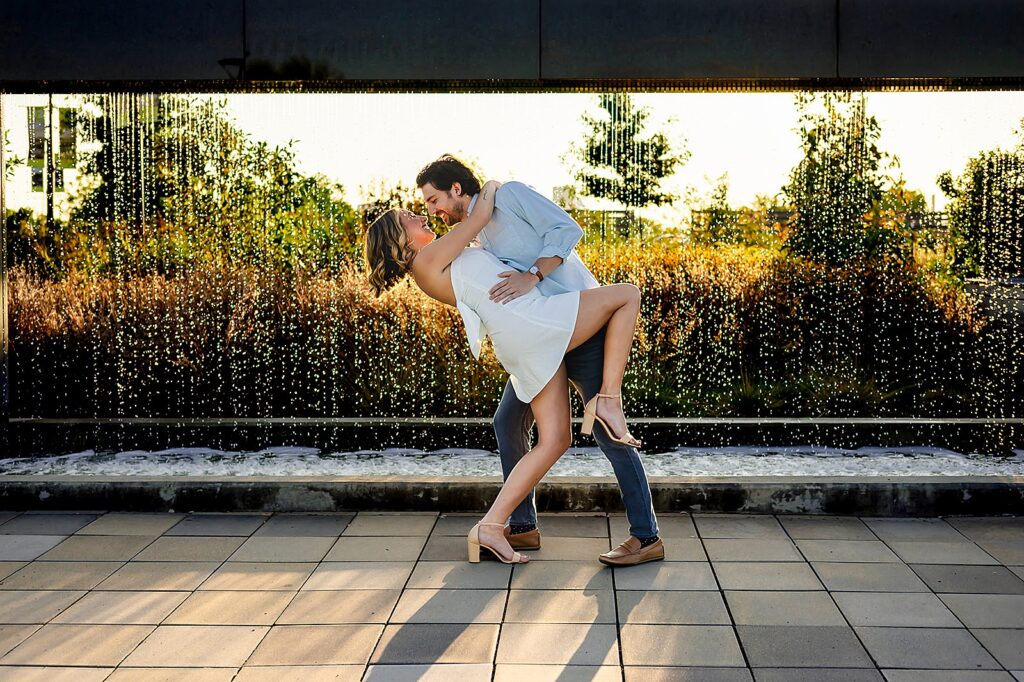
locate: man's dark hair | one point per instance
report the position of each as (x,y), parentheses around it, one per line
(446,171)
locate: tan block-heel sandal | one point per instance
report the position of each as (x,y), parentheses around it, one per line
(474,545)
(590,414)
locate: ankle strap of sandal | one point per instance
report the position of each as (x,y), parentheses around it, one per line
(481,523)
(607,395)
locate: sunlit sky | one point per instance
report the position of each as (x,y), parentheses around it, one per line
(360,139)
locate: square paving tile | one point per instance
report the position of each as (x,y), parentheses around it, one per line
(225,524)
(926,648)
(9,567)
(987,610)
(340,607)
(792,646)
(1009,552)
(159,575)
(739,526)
(172,675)
(443,548)
(132,523)
(416,643)
(766,575)
(392,524)
(56,674)
(32,523)
(751,549)
(238,575)
(316,645)
(557,673)
(122,608)
(6,516)
(296,525)
(1009,528)
(666,576)
(895,609)
(309,673)
(13,635)
(26,547)
(913,530)
(230,607)
(561,644)
(970,579)
(197,646)
(634,673)
(672,608)
(64,575)
(1006,645)
(847,550)
(570,549)
(461,575)
(560,606)
(941,553)
(572,526)
(825,527)
(284,550)
(783,608)
(379,548)
(450,606)
(34,606)
(443,672)
(562,575)
(98,548)
(455,524)
(868,577)
(358,575)
(820,675)
(680,645)
(189,548)
(78,645)
(669,526)
(684,549)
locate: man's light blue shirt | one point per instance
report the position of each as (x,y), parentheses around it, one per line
(526,226)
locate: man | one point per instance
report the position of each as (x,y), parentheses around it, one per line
(537,239)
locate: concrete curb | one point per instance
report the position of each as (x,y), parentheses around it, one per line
(864,495)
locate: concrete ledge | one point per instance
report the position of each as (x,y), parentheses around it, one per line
(867,495)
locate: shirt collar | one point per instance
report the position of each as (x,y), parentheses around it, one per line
(472,203)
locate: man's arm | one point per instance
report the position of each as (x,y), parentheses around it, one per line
(556,227)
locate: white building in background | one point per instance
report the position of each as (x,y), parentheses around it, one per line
(25,120)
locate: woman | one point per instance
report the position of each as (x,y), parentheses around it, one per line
(530,336)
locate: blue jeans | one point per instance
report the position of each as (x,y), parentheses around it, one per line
(513,422)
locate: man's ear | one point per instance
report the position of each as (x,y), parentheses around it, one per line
(457,188)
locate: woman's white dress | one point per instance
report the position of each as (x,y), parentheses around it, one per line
(529,334)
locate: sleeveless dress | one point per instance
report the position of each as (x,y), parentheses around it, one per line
(529,334)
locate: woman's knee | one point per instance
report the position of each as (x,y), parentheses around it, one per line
(632,293)
(557,442)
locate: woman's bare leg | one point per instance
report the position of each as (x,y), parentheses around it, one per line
(618,306)
(551,410)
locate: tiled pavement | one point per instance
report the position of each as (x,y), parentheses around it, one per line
(138,596)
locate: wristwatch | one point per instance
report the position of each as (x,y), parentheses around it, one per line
(536,271)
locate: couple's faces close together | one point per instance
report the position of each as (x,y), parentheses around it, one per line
(447,205)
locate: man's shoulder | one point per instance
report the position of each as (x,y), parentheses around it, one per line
(518,192)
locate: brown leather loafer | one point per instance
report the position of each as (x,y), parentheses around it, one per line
(528,540)
(629,553)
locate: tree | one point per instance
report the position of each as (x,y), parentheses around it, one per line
(986,214)
(714,220)
(619,160)
(169,182)
(838,180)
(10,160)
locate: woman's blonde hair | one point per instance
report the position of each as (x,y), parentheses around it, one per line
(386,251)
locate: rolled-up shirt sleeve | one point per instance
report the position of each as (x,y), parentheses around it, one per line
(556,227)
